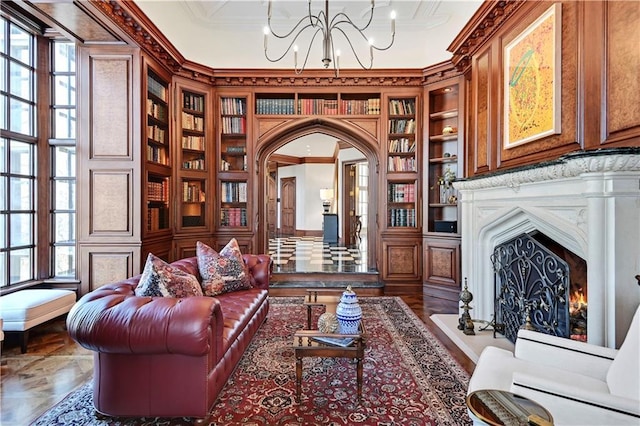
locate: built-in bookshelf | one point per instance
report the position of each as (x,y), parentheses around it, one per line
(193,157)
(233,200)
(318,104)
(233,131)
(193,136)
(157,203)
(443,159)
(402,163)
(193,203)
(233,176)
(157,165)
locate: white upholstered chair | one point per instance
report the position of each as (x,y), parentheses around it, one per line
(579,383)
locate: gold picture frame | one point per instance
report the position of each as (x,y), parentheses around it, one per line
(532,73)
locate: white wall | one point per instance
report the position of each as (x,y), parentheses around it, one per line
(310,178)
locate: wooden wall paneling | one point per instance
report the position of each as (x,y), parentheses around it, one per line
(622,112)
(106,265)
(566,140)
(480,140)
(442,267)
(402,259)
(108,161)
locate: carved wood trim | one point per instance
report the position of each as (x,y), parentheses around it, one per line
(480,28)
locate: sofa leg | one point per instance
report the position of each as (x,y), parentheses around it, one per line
(201,422)
(24,338)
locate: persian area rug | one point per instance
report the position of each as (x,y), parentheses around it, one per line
(409,378)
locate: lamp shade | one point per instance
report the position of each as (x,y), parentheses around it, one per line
(326,194)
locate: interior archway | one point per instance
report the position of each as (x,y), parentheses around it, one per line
(347,132)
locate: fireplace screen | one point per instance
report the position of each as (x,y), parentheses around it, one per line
(531,283)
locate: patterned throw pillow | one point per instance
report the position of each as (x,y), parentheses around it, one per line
(163,280)
(222,272)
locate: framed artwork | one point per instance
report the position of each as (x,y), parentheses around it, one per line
(532,65)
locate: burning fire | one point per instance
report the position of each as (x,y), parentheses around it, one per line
(577,302)
(578,315)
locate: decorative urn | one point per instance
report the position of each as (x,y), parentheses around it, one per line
(349,312)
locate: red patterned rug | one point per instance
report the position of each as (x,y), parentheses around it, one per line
(409,378)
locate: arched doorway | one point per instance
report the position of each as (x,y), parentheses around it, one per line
(347,132)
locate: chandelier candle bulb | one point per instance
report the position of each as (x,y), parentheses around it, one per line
(393,21)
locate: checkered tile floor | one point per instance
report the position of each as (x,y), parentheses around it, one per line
(311,254)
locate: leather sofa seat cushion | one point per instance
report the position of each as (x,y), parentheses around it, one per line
(238,308)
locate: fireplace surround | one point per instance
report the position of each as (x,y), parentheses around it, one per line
(587,202)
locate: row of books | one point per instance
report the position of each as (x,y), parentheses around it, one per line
(195,164)
(402,217)
(157,218)
(192,122)
(402,106)
(156,88)
(195,143)
(233,216)
(156,133)
(407,126)
(234,125)
(402,145)
(402,164)
(192,192)
(193,102)
(234,192)
(156,110)
(157,154)
(233,106)
(401,192)
(158,191)
(310,106)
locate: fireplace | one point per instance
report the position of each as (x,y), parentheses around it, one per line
(587,203)
(540,285)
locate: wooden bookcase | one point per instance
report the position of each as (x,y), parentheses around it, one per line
(313,103)
(194,146)
(233,186)
(157,197)
(402,164)
(443,162)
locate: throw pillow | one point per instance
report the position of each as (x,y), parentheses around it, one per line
(163,280)
(222,272)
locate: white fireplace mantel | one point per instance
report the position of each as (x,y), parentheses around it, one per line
(589,203)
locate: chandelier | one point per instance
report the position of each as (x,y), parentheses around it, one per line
(321,24)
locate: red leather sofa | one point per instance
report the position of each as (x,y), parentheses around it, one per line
(163,356)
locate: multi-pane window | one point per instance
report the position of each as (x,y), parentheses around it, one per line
(362,186)
(63,157)
(18,154)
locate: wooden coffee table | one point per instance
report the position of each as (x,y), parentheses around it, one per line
(308,343)
(328,298)
(497,408)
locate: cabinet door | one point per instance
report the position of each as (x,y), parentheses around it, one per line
(442,267)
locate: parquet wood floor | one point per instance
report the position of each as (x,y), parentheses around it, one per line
(54,364)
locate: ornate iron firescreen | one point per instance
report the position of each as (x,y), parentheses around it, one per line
(530,281)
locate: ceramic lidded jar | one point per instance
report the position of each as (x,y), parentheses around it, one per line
(349,312)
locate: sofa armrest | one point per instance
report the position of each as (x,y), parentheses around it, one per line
(260,268)
(566,354)
(524,383)
(113,321)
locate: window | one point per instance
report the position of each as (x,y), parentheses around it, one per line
(63,159)
(18,151)
(28,159)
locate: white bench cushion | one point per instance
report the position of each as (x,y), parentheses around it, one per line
(25,309)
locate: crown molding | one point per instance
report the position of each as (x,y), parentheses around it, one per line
(480,28)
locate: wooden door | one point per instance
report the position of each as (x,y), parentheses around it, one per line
(271,205)
(288,206)
(349,211)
